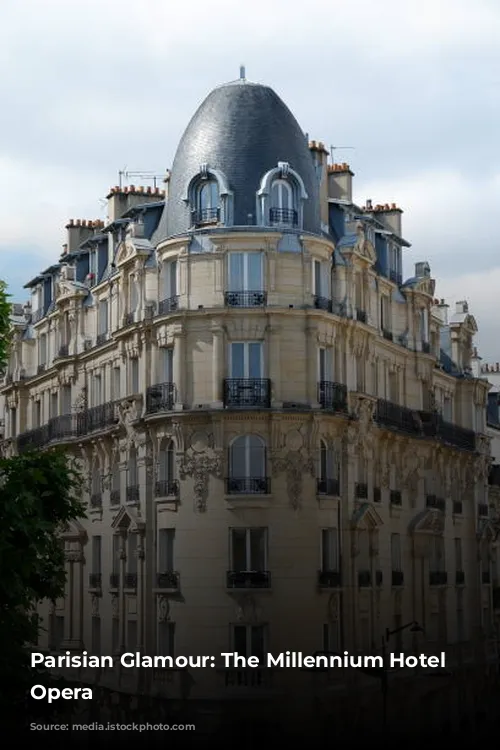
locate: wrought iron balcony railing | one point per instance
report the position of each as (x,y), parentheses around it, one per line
(248,485)
(133,493)
(114,580)
(207,216)
(129,318)
(329,579)
(247,298)
(438,578)
(101,339)
(160,398)
(322,303)
(114,497)
(332,396)
(247,392)
(41,368)
(168,305)
(396,417)
(248,579)
(95,580)
(62,428)
(96,500)
(457,507)
(328,486)
(361,491)
(169,579)
(426,347)
(395,497)
(166,488)
(432,501)
(459,577)
(388,336)
(364,578)
(283,216)
(98,417)
(377,495)
(398,577)
(63,350)
(434,426)
(361,316)
(130,581)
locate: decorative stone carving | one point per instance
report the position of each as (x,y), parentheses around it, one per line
(333,608)
(200,466)
(295,464)
(94,603)
(247,609)
(163,609)
(80,402)
(115,607)
(199,441)
(128,413)
(294,440)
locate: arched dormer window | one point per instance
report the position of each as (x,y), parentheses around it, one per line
(281,197)
(209,198)
(247,466)
(166,484)
(327,475)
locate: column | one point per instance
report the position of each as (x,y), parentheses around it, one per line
(179,370)
(274,356)
(218,361)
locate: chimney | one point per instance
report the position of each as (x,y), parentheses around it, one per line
(120,200)
(441,310)
(422,270)
(79,230)
(390,215)
(320,159)
(340,182)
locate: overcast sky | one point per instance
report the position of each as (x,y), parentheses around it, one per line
(90,87)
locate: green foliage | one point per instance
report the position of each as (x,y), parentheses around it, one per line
(5,328)
(38,495)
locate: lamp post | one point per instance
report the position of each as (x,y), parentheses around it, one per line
(413,627)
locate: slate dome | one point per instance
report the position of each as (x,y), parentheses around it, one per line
(243,130)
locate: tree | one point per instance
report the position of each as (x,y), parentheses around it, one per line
(38,494)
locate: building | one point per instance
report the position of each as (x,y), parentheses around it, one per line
(284,441)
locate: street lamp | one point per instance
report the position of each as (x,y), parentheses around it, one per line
(413,627)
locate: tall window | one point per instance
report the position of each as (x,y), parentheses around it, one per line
(96,555)
(166,362)
(325,359)
(247,465)
(424,325)
(327,480)
(246,359)
(320,279)
(133,297)
(248,550)
(458,555)
(329,550)
(132,468)
(166,470)
(134,375)
(116,383)
(170,280)
(103,317)
(385,321)
(282,209)
(396,552)
(166,540)
(437,558)
(245,272)
(250,640)
(97,390)
(208,202)
(166,638)
(42,349)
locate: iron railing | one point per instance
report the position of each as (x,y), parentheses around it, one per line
(247,392)
(361,491)
(248,579)
(247,298)
(133,493)
(361,316)
(248,485)
(207,215)
(168,305)
(332,396)
(166,488)
(394,416)
(160,397)
(130,581)
(395,497)
(328,486)
(329,579)
(438,578)
(169,579)
(286,216)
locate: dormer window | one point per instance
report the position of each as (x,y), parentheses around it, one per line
(283,210)
(208,202)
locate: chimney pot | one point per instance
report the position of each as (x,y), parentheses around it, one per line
(393,206)
(368,204)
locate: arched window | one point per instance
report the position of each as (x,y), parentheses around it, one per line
(165,481)
(327,479)
(283,209)
(208,202)
(132,478)
(247,466)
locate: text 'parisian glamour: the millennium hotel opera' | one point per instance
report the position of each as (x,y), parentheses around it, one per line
(283,432)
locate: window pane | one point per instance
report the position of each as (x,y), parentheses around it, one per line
(239,549)
(255,360)
(237,360)
(240,640)
(256,465)
(257,549)
(254,272)
(236,280)
(257,644)
(238,458)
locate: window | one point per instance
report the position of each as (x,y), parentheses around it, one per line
(329,550)
(56,632)
(116,383)
(13,422)
(66,399)
(393,387)
(448,409)
(207,209)
(166,365)
(96,555)
(360,362)
(331,640)
(248,550)
(327,469)
(283,210)
(385,321)
(134,376)
(115,556)
(325,362)
(96,635)
(246,359)
(320,279)
(166,463)
(103,317)
(437,559)
(396,552)
(245,272)
(166,638)
(250,640)
(95,479)
(458,555)
(247,465)
(132,635)
(132,469)
(42,349)
(132,554)
(461,635)
(133,297)
(170,280)
(364,549)
(37,414)
(166,539)
(96,390)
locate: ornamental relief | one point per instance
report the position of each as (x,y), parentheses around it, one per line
(295,464)
(200,467)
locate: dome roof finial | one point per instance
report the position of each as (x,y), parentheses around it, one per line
(242,73)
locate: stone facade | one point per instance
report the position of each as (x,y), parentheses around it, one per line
(298,466)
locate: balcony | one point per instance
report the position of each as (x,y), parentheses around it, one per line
(130,581)
(328,486)
(63,427)
(63,350)
(431,501)
(364,578)
(101,339)
(283,217)
(97,418)
(361,491)
(248,579)
(96,501)
(377,495)
(459,578)
(247,393)
(486,577)
(395,498)
(95,580)
(438,578)
(248,486)
(114,497)
(33,439)
(245,299)
(396,417)
(329,579)
(387,335)
(361,316)
(129,318)
(166,488)
(207,216)
(332,396)
(160,398)
(397,578)
(168,305)
(133,494)
(496,598)
(114,580)
(168,580)
(482,510)
(458,508)
(434,426)
(322,303)
(426,347)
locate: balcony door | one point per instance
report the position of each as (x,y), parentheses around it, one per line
(246,360)
(245,272)
(325,365)
(166,365)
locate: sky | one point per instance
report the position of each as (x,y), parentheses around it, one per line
(92,87)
